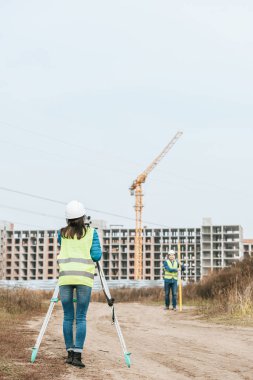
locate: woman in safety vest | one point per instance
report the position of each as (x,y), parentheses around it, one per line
(170,267)
(80,248)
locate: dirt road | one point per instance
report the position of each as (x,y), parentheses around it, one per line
(164,344)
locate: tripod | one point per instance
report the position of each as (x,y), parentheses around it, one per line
(110,302)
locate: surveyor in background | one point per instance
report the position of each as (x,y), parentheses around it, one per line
(80,248)
(170,267)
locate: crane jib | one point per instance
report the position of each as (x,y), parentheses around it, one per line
(136,189)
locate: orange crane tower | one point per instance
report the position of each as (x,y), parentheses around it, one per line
(136,189)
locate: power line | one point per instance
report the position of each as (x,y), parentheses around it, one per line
(164,179)
(25,147)
(61,157)
(14,222)
(65,142)
(30,211)
(32,195)
(64,203)
(44,135)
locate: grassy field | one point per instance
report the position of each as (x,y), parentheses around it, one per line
(17,307)
(225,296)
(144,295)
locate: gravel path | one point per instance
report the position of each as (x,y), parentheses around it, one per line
(164,344)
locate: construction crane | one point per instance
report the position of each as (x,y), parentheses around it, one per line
(136,189)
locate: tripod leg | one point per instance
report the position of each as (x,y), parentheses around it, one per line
(115,320)
(36,347)
(122,342)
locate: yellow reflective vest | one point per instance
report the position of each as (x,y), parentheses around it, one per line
(75,262)
(171,275)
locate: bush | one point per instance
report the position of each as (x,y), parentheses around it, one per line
(230,290)
(17,301)
(131,295)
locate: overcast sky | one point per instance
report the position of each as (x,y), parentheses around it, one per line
(92,91)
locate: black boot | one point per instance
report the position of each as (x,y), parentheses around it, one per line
(70,357)
(77,360)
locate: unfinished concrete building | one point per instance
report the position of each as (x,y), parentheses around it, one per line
(220,246)
(248,247)
(118,252)
(32,254)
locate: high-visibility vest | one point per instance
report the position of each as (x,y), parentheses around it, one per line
(75,262)
(171,275)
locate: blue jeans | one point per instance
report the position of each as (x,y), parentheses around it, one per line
(83,294)
(170,285)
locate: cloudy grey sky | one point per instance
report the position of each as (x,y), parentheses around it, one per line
(91,92)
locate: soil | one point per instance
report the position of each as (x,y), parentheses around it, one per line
(164,344)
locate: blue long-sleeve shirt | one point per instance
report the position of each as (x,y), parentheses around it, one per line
(95,252)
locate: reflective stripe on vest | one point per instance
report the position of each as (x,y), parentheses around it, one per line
(171,275)
(75,262)
(76,273)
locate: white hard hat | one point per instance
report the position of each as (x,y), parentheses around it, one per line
(74,209)
(172,252)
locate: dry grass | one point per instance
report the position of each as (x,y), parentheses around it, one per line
(16,307)
(228,293)
(19,301)
(143,295)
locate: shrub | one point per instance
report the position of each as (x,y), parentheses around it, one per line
(131,295)
(17,301)
(230,290)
